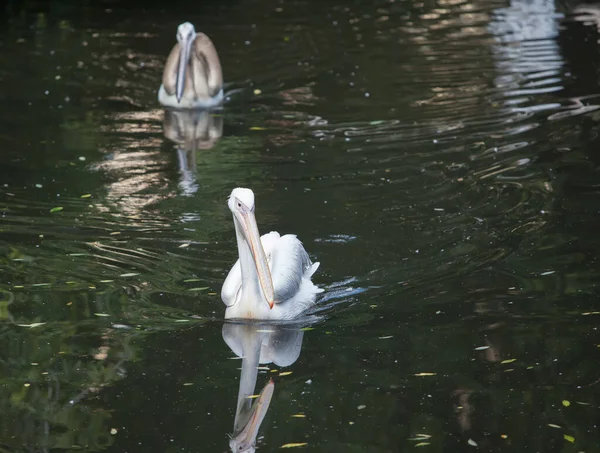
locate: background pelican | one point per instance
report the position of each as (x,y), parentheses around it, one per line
(192,77)
(271,279)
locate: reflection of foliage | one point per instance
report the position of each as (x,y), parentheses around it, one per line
(46,374)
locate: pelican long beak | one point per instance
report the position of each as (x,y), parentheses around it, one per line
(184,59)
(258,254)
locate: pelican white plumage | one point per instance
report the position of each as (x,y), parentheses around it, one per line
(271,279)
(192,77)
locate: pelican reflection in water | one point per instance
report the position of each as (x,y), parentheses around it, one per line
(271,278)
(192,77)
(257,344)
(191,130)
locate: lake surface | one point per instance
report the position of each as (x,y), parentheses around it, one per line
(439,158)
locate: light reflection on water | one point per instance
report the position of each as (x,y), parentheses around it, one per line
(438,158)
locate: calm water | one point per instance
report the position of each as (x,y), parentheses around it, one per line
(439,158)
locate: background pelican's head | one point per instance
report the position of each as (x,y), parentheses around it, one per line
(186,34)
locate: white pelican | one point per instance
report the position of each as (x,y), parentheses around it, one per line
(271,279)
(192,77)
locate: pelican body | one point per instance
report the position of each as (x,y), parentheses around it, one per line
(192,77)
(271,280)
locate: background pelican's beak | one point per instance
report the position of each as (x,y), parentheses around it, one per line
(184,59)
(260,259)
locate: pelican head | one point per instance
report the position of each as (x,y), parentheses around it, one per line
(253,260)
(186,34)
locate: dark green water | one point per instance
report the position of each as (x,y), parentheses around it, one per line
(440,159)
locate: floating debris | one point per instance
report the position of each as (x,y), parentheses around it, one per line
(566,403)
(86,195)
(182,246)
(257,91)
(472,442)
(114,431)
(101,314)
(114,233)
(130,274)
(504,436)
(251,397)
(31,326)
(385,338)
(361,407)
(552,425)
(425,374)
(504,362)
(192,280)
(27,384)
(298,416)
(569,438)
(482,348)
(57,209)
(548,273)
(258,128)
(306,329)
(106,281)
(186,384)
(182,320)
(204,288)
(294,444)
(422,444)
(285,373)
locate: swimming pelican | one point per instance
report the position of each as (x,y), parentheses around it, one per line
(192,77)
(271,279)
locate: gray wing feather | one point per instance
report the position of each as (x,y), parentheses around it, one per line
(289,264)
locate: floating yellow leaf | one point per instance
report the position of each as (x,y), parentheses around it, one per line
(86,195)
(425,374)
(294,444)
(115,233)
(212,294)
(101,314)
(306,329)
(204,288)
(566,403)
(257,91)
(569,438)
(508,361)
(299,416)
(27,385)
(504,436)
(251,397)
(285,373)
(57,209)
(257,128)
